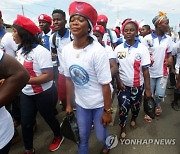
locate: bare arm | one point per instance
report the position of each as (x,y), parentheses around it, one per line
(113,67)
(47,75)
(147,82)
(106,117)
(70,94)
(169,62)
(15,77)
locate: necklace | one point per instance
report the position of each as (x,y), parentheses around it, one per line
(78,52)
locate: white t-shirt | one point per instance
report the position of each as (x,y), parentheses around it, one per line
(176,51)
(110,52)
(159,50)
(6,122)
(107,38)
(37,60)
(89,69)
(8,45)
(131,59)
(60,43)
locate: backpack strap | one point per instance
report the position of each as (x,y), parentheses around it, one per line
(110,35)
(54,40)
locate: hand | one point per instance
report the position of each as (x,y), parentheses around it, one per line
(122,86)
(106,119)
(148,94)
(68,109)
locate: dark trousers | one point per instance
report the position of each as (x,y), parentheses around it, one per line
(129,99)
(43,103)
(5,150)
(15,111)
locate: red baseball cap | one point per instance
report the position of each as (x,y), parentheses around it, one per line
(45,17)
(102,18)
(84,9)
(26,24)
(99,28)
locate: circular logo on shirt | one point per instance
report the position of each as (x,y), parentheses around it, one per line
(138,57)
(79,76)
(111,141)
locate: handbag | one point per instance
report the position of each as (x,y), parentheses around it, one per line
(149,107)
(69,127)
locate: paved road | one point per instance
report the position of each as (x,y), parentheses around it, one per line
(163,129)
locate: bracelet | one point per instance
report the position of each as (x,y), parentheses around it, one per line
(107,111)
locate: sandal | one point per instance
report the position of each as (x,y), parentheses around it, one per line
(104,151)
(147,118)
(158,111)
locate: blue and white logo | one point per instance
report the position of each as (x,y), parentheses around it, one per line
(112,141)
(79,75)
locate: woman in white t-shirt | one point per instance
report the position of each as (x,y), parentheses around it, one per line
(15,79)
(38,94)
(134,61)
(87,71)
(160,46)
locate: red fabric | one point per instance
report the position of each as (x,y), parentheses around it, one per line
(45,17)
(136,82)
(61,87)
(165,69)
(29,66)
(117,31)
(84,9)
(102,18)
(27,24)
(99,28)
(128,21)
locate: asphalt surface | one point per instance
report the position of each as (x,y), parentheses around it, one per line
(161,136)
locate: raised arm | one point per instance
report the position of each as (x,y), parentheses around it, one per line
(15,78)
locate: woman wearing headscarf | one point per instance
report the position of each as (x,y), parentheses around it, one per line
(159,45)
(37,95)
(134,61)
(88,75)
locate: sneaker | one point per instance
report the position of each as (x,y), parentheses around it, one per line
(56,143)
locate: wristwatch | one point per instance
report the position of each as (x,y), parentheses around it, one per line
(107,110)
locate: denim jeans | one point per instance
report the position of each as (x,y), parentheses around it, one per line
(85,118)
(43,103)
(158,88)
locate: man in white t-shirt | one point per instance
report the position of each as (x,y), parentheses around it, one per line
(109,37)
(8,45)
(15,79)
(57,41)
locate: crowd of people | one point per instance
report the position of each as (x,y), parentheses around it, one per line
(82,67)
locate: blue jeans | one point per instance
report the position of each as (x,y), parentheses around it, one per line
(158,88)
(85,118)
(43,103)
